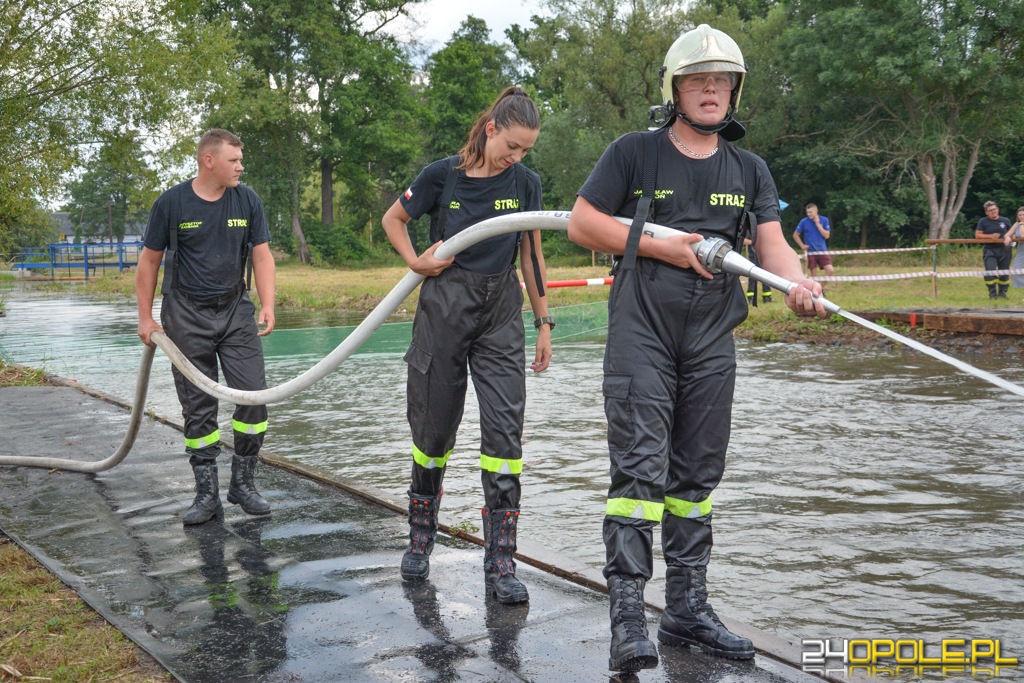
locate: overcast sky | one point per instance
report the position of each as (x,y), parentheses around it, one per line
(438,19)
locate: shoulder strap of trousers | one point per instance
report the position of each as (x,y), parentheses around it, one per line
(171,253)
(437,232)
(521,196)
(747,227)
(644,206)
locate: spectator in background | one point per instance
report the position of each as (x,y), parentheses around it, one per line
(1016,234)
(815,231)
(993,228)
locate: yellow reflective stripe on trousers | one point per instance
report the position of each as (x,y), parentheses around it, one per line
(684,508)
(637,509)
(203,441)
(424,460)
(247,428)
(501,465)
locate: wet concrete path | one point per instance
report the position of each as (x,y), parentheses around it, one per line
(308,593)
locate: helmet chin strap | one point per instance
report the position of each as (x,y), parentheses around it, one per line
(705,129)
(729,128)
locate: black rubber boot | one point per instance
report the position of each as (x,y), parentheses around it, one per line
(243,487)
(992,292)
(422,532)
(207,502)
(499,547)
(631,649)
(1003,289)
(766,298)
(689,619)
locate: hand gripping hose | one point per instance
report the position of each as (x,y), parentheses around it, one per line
(715,254)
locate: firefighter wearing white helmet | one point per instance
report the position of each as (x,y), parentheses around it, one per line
(704,50)
(670,362)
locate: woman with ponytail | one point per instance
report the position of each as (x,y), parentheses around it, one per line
(469,318)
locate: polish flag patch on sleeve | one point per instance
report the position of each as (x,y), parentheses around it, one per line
(408,194)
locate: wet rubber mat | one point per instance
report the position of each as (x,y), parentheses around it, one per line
(308,593)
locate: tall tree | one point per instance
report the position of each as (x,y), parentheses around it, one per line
(919,90)
(358,73)
(115,191)
(71,71)
(787,126)
(331,94)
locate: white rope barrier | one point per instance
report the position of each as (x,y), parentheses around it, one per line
(868,251)
(922,273)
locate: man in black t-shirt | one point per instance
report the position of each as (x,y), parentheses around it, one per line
(993,228)
(208,228)
(670,365)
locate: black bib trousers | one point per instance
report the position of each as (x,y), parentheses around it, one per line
(468,323)
(669,377)
(206,331)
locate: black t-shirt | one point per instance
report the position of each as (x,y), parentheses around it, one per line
(212,236)
(474,200)
(696,195)
(1000,227)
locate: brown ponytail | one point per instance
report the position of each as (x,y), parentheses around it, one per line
(512,108)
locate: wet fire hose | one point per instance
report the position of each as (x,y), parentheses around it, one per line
(714,253)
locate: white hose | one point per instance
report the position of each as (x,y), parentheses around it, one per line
(530,220)
(138,408)
(518,222)
(714,253)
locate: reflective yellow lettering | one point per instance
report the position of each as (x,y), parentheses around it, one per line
(927,660)
(952,656)
(904,646)
(1004,660)
(981,649)
(868,651)
(884,648)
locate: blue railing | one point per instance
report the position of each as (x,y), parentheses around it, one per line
(86,257)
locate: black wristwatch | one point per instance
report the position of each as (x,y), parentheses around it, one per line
(537,322)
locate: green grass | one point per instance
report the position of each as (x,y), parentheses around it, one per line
(48,633)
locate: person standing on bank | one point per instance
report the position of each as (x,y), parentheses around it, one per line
(208,228)
(993,228)
(670,363)
(815,230)
(469,313)
(1016,234)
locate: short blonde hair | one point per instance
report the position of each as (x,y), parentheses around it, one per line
(215,137)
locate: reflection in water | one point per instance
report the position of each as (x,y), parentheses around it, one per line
(446,655)
(244,637)
(503,624)
(868,494)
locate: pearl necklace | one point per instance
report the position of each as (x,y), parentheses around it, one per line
(689,151)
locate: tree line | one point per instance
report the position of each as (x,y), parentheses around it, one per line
(897,117)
